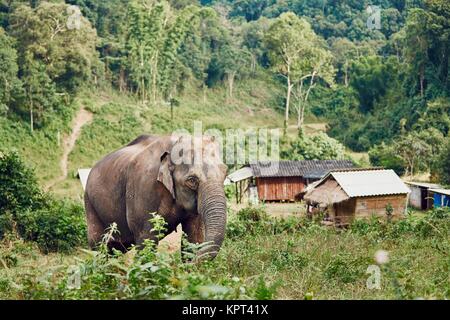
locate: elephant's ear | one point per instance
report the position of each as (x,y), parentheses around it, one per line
(165,173)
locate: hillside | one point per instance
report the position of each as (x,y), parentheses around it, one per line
(119,118)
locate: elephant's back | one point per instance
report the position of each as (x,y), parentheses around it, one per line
(106,185)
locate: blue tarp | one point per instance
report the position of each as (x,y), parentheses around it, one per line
(441,200)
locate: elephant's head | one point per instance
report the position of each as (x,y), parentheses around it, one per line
(194,173)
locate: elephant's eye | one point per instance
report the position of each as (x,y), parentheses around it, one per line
(192,182)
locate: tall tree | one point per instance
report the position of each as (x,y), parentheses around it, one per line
(10,85)
(67,51)
(40,91)
(317,65)
(146,21)
(287,41)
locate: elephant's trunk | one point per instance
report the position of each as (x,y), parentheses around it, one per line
(212,208)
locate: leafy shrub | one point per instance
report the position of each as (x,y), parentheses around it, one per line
(387,156)
(346,268)
(255,220)
(19,188)
(54,225)
(59,226)
(249,220)
(444,164)
(149,274)
(316,147)
(435,224)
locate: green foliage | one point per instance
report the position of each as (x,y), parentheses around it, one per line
(45,61)
(387,156)
(436,224)
(58,226)
(346,268)
(9,82)
(150,274)
(371,77)
(42,34)
(271,258)
(444,164)
(316,147)
(255,220)
(54,225)
(19,189)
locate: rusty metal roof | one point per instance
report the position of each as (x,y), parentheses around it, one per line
(304,168)
(364,183)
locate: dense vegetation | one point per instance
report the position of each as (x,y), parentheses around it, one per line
(55,225)
(379,87)
(262,258)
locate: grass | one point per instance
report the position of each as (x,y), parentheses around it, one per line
(40,148)
(290,258)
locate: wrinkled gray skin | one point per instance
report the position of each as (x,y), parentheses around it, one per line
(146,176)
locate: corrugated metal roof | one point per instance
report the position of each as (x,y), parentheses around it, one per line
(298,168)
(424,184)
(369,182)
(441,191)
(241,174)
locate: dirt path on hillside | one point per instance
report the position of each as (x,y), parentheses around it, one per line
(82,118)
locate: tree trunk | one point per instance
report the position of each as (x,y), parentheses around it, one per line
(346,74)
(300,109)
(154,80)
(299,97)
(31,116)
(422,77)
(288,100)
(231,76)
(141,55)
(303,103)
(204,94)
(122,84)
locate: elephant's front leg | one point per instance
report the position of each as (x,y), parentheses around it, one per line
(194,229)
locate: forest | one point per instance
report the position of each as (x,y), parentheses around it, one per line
(372,89)
(379,90)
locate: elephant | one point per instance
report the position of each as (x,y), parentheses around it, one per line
(178,177)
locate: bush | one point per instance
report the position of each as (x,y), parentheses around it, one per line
(346,268)
(387,157)
(150,274)
(435,224)
(316,147)
(444,164)
(255,220)
(55,225)
(59,226)
(19,188)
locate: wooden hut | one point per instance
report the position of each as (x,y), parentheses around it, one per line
(420,197)
(276,181)
(347,194)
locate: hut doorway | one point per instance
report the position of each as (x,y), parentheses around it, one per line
(424,198)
